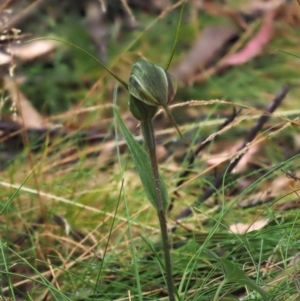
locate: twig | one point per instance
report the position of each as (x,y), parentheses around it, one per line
(194,154)
(252,134)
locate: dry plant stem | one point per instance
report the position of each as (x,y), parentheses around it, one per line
(148,133)
(11,130)
(34,226)
(5,5)
(25,141)
(193,156)
(250,137)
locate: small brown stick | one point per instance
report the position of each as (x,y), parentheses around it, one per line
(194,154)
(289,174)
(14,128)
(252,134)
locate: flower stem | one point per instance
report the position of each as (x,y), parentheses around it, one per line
(149,138)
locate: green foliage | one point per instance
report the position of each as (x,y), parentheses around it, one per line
(89,196)
(233,273)
(143,166)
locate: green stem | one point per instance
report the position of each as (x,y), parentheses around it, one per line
(216,298)
(176,36)
(167,110)
(149,137)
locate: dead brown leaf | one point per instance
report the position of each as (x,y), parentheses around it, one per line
(32,50)
(206,48)
(255,45)
(214,8)
(241,228)
(27,115)
(258,7)
(4,58)
(230,150)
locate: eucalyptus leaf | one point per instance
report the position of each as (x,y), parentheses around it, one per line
(142,163)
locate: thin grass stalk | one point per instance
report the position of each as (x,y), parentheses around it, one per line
(148,133)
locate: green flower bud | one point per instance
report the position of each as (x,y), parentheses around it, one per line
(151,84)
(140,110)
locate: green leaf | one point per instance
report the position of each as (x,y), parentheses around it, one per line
(142,163)
(5,206)
(289,53)
(233,273)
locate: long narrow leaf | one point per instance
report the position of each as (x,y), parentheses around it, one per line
(143,166)
(233,273)
(5,206)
